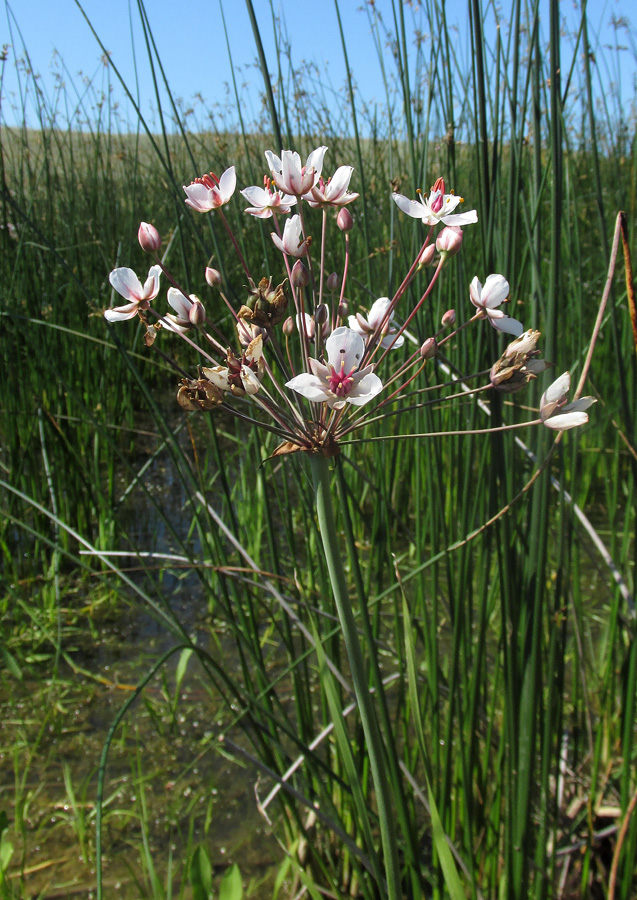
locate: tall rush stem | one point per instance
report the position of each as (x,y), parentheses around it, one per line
(332,547)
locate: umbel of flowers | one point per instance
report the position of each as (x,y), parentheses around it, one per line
(308,365)
(302,360)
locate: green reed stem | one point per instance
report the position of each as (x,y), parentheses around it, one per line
(332,549)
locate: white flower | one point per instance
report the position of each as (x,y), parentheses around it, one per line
(210,192)
(341,381)
(184,307)
(558,414)
(438,207)
(293,241)
(288,173)
(334,191)
(377,314)
(265,201)
(487,298)
(128,285)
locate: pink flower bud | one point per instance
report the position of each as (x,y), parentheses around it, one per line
(213,277)
(288,326)
(429,349)
(449,318)
(299,276)
(321,314)
(149,238)
(197,313)
(343,308)
(332,282)
(449,241)
(344,219)
(427,255)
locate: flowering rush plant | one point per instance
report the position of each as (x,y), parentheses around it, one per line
(301,356)
(304,359)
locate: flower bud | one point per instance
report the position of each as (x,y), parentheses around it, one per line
(213,277)
(427,255)
(197,313)
(299,277)
(449,318)
(343,309)
(344,219)
(149,238)
(449,241)
(321,314)
(429,349)
(288,326)
(332,282)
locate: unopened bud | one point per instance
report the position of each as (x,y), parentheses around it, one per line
(299,277)
(343,309)
(344,219)
(321,314)
(213,277)
(288,326)
(149,238)
(197,313)
(332,282)
(449,241)
(429,349)
(427,255)
(448,318)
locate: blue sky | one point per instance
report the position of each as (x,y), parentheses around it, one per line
(192,47)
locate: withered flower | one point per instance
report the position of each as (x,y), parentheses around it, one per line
(198,394)
(518,364)
(266,306)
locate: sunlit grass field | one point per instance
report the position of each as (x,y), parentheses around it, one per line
(134,686)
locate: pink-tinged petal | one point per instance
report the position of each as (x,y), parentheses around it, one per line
(273,161)
(151,285)
(120,313)
(358,323)
(366,389)
(291,177)
(344,347)
(339,182)
(315,161)
(179,302)
(257,196)
(450,201)
(309,386)
(494,292)
(475,291)
(468,218)
(227,184)
(198,197)
(176,324)
(317,368)
(278,243)
(564,421)
(412,208)
(126,283)
(259,213)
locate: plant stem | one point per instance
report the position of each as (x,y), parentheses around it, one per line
(375,748)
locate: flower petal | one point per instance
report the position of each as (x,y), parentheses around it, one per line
(120,313)
(179,302)
(126,283)
(309,386)
(344,347)
(365,390)
(412,208)
(227,184)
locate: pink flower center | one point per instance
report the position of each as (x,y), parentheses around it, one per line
(437,203)
(210,181)
(340,383)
